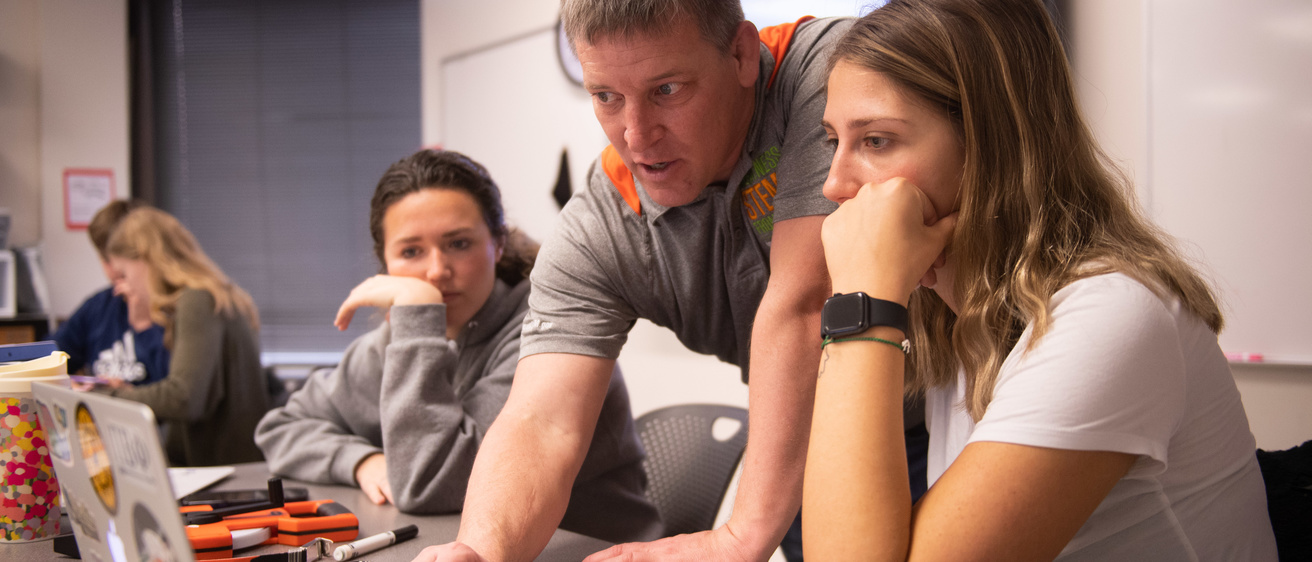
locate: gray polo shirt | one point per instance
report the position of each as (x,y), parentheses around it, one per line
(698,269)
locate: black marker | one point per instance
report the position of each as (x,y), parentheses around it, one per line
(369,544)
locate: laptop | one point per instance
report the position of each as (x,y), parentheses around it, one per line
(115,481)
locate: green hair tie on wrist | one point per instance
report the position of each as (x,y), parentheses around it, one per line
(904,347)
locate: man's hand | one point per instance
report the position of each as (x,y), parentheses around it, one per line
(719,545)
(527,463)
(371,475)
(449,552)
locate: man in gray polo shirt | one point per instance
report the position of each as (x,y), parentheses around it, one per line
(703,216)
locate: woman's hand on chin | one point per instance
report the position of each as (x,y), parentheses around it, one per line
(386,291)
(884,240)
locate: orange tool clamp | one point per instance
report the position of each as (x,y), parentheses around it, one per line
(291,524)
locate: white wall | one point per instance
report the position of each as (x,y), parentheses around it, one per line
(84,124)
(1107,46)
(1110,50)
(20,164)
(511,108)
(451,27)
(63,104)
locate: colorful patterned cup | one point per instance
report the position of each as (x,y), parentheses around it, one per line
(29,493)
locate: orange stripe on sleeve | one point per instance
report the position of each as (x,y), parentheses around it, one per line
(776,39)
(619,174)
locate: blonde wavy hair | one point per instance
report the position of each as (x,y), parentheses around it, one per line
(1041,205)
(176,262)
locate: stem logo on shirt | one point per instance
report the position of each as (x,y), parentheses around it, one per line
(758,189)
(119,361)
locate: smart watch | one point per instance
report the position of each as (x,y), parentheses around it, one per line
(853,313)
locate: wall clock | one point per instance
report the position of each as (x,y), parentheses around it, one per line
(569,63)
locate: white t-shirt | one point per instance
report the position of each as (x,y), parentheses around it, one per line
(1120,369)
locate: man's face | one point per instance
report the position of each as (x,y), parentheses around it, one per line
(675,107)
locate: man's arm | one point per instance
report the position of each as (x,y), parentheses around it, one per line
(527,463)
(785,351)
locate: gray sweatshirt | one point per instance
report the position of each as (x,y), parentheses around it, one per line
(405,390)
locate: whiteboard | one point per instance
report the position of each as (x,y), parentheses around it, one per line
(510,108)
(1230,159)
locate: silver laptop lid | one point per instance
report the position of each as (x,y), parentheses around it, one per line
(114,477)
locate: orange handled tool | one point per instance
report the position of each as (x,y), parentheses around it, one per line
(215,533)
(293,524)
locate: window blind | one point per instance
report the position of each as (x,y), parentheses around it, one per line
(274,120)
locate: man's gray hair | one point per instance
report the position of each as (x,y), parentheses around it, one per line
(589,20)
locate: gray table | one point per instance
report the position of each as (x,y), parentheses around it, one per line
(565,546)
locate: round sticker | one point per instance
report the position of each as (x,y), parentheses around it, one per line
(152,544)
(96,459)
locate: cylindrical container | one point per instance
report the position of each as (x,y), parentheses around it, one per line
(29,493)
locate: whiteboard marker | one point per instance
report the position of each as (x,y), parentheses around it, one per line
(1244,357)
(370,544)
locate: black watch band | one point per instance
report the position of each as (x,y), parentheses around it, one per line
(853,313)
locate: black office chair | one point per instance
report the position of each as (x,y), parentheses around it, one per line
(688,469)
(1288,478)
(282,389)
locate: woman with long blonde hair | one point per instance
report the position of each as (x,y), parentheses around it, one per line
(216,391)
(988,255)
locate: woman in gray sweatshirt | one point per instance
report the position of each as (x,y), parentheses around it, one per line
(403,414)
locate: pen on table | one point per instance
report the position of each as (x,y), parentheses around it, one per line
(370,544)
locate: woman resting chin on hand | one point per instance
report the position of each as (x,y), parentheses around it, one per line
(404,412)
(1078,404)
(215,390)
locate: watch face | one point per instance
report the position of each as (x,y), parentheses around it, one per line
(843,314)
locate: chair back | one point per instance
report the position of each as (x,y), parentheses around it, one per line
(1288,478)
(688,469)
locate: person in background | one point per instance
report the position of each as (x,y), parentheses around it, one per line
(216,389)
(403,414)
(105,338)
(1079,406)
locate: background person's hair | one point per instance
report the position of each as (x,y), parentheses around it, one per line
(105,220)
(1040,204)
(588,20)
(447,169)
(176,262)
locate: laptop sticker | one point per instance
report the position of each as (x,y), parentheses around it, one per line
(82,518)
(129,453)
(152,542)
(57,432)
(96,460)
